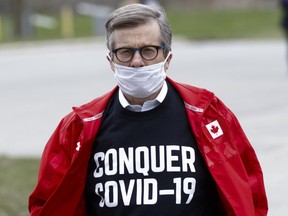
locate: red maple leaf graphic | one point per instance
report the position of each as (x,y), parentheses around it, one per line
(214,129)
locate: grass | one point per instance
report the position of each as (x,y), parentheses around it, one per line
(18,177)
(83,27)
(193,24)
(226,24)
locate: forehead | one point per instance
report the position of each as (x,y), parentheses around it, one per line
(141,35)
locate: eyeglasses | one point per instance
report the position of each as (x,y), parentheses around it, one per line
(148,53)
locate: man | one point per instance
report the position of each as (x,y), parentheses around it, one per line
(151,146)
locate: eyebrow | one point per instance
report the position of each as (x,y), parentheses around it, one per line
(142,45)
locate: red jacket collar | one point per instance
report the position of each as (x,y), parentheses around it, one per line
(195,99)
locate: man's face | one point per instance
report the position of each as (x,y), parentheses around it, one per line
(138,37)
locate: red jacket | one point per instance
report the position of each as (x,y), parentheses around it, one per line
(229,157)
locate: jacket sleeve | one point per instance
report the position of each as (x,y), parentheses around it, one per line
(249,159)
(253,169)
(55,161)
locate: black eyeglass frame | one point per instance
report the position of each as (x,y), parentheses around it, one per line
(114,51)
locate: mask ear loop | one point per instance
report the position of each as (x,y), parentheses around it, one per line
(108,56)
(164,62)
(168,55)
(110,59)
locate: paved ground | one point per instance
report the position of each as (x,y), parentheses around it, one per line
(40,83)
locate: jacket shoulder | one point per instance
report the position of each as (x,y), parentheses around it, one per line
(95,106)
(192,95)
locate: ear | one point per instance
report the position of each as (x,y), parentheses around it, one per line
(109,58)
(166,66)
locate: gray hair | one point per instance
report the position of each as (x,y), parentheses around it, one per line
(137,14)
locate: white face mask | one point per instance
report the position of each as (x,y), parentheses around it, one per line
(140,82)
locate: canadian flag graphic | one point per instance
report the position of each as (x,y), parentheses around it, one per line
(214,129)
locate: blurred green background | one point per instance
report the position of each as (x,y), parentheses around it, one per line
(193,22)
(18,176)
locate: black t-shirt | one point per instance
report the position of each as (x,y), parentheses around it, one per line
(148,163)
